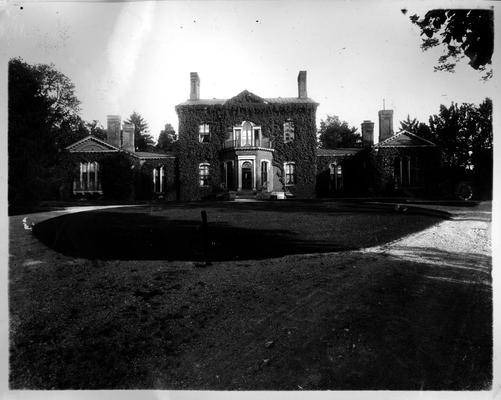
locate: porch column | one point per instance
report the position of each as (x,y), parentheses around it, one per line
(254,175)
(95,176)
(88,175)
(239,174)
(80,182)
(409,170)
(401,176)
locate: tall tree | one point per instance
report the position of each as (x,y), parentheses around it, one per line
(415,127)
(142,137)
(463,33)
(42,106)
(166,138)
(96,129)
(335,133)
(464,132)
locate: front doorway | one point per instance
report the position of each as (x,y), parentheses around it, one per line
(247,176)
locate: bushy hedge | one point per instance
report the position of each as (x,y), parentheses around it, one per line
(117,176)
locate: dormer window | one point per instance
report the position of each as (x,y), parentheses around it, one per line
(204,133)
(288,131)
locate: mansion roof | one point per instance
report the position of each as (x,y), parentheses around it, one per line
(405,139)
(91,144)
(339,152)
(246,97)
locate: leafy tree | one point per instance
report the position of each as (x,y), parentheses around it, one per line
(335,133)
(464,132)
(117,177)
(141,136)
(415,127)
(96,129)
(463,33)
(42,106)
(166,138)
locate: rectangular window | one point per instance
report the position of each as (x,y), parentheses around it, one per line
(159,179)
(85,178)
(203,173)
(257,137)
(238,134)
(290,174)
(92,177)
(264,174)
(288,131)
(204,133)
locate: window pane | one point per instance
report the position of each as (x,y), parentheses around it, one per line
(204,174)
(288,131)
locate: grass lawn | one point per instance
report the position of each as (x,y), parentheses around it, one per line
(236,230)
(345,320)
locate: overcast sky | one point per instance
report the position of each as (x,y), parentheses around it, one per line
(126,56)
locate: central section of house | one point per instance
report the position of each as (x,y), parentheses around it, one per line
(247,143)
(247,156)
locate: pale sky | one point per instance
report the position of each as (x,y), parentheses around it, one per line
(137,56)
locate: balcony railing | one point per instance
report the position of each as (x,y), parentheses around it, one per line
(231,144)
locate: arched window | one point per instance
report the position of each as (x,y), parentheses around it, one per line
(290,173)
(203,174)
(245,134)
(159,179)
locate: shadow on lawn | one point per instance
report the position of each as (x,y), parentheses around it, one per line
(108,236)
(236,232)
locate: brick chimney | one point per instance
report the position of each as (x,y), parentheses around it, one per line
(128,137)
(385,124)
(113,130)
(367,133)
(301,85)
(195,86)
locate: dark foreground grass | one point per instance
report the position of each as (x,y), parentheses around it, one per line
(351,322)
(345,321)
(236,230)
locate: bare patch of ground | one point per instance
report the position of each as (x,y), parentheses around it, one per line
(414,314)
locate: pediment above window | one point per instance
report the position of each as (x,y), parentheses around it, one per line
(90,144)
(246,97)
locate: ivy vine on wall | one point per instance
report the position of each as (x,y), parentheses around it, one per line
(270,117)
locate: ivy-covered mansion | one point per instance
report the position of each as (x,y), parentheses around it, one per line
(247,143)
(254,146)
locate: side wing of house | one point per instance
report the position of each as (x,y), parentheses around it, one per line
(87,154)
(408,161)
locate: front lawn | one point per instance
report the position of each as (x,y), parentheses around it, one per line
(347,320)
(236,230)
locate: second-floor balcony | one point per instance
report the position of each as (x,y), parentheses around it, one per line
(247,144)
